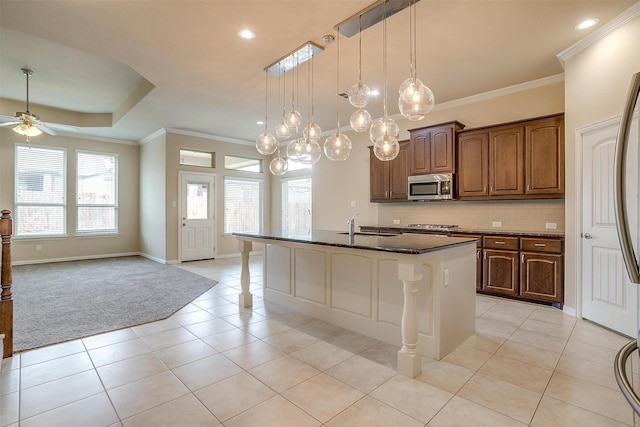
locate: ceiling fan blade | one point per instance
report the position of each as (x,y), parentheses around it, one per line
(45,128)
(11,119)
(14,122)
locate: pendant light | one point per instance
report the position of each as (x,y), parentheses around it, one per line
(338,146)
(384,131)
(360,93)
(293,116)
(415,100)
(266,143)
(311,152)
(282,128)
(278,166)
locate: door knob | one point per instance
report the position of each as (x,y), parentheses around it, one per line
(587,236)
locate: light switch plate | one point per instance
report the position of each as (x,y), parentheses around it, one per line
(496,224)
(551,225)
(396,221)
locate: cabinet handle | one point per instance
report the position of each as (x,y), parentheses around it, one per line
(485,256)
(478,255)
(528,188)
(484,190)
(522,258)
(499,243)
(542,245)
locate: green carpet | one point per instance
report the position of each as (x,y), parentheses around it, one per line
(64,301)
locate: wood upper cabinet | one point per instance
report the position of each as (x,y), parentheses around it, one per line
(506,161)
(432,149)
(544,154)
(388,180)
(516,161)
(473,165)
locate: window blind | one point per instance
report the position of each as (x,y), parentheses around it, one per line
(242,205)
(97,193)
(296,206)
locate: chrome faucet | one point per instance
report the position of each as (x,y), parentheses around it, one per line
(351,223)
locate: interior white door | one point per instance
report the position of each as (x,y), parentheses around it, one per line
(197,220)
(608,296)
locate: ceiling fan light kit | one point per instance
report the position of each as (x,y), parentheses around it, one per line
(415,99)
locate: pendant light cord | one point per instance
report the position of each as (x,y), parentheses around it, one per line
(338,84)
(384,61)
(359,48)
(266,95)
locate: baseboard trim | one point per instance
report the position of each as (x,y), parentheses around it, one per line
(569,311)
(74,258)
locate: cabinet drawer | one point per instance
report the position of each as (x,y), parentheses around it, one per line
(541,245)
(504,243)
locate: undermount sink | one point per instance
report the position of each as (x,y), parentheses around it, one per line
(370,234)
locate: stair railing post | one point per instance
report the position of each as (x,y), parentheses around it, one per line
(6,299)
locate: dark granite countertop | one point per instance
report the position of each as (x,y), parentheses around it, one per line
(403,244)
(399,229)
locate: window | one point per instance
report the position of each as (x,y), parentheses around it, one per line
(97,193)
(197,158)
(242,164)
(296,206)
(242,205)
(296,166)
(40,189)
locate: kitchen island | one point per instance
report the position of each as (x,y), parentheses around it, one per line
(416,292)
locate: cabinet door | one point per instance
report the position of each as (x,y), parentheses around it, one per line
(398,173)
(378,178)
(473,165)
(506,161)
(544,157)
(541,276)
(501,272)
(478,269)
(442,150)
(420,152)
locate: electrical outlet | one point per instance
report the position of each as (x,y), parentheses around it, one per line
(396,221)
(496,224)
(353,203)
(551,225)
(38,247)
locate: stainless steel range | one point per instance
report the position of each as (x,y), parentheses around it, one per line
(435,227)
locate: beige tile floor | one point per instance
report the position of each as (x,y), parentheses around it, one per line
(213,363)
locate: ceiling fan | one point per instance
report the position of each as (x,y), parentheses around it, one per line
(29,124)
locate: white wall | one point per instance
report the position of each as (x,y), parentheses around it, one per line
(596,83)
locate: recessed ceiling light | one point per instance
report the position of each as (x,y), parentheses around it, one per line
(587,23)
(375,92)
(259,122)
(247,34)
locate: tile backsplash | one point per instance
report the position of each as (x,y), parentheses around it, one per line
(515,215)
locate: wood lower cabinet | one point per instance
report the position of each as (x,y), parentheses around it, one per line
(388,180)
(541,272)
(500,265)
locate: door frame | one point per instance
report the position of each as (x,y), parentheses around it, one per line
(213,177)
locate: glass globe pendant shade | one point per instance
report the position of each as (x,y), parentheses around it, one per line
(293,149)
(387,149)
(359,94)
(282,130)
(381,128)
(337,147)
(415,99)
(312,131)
(266,143)
(311,152)
(278,166)
(360,120)
(293,118)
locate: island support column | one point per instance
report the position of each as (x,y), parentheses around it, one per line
(245,298)
(409,358)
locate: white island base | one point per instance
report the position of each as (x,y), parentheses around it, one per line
(423,303)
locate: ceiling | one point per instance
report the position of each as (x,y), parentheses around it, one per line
(124,69)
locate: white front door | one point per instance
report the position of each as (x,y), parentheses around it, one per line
(197,221)
(608,296)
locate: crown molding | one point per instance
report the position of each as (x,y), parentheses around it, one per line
(628,15)
(208,136)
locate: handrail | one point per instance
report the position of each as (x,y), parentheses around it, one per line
(6,299)
(620,371)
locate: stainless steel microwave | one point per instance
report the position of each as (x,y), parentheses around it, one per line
(431,187)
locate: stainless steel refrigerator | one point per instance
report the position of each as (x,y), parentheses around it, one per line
(626,193)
